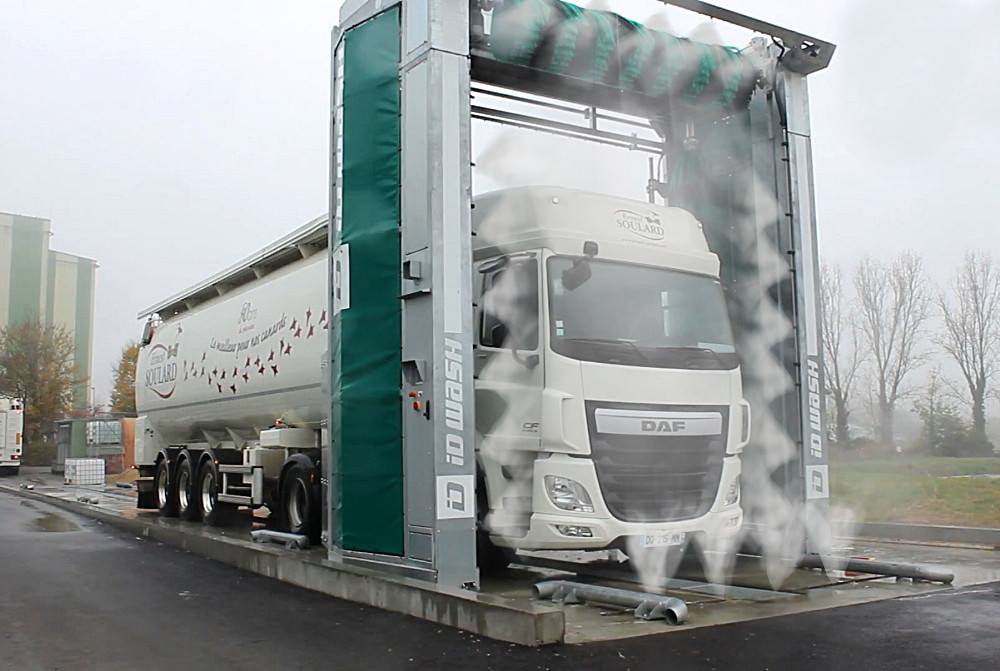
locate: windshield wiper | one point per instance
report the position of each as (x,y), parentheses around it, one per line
(610,341)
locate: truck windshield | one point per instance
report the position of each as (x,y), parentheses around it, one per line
(636,315)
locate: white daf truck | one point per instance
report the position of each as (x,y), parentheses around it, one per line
(11,432)
(608,394)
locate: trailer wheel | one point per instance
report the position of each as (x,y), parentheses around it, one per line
(166,492)
(187,500)
(300,510)
(213,513)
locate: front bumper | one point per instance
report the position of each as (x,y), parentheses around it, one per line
(718,525)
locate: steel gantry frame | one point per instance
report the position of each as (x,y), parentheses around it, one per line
(445,82)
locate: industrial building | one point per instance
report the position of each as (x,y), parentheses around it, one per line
(39,283)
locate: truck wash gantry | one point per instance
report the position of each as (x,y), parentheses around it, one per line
(231,418)
(424,44)
(765,235)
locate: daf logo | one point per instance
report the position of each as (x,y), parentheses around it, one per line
(648,226)
(626,422)
(663,425)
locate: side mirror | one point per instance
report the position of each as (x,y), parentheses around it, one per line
(494,265)
(498,334)
(574,276)
(147,333)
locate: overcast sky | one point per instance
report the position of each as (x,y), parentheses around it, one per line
(168,140)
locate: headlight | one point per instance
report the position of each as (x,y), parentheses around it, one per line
(733,493)
(568,494)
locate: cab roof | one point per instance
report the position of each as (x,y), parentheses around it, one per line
(533,215)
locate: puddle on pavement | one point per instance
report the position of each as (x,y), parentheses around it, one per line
(53,522)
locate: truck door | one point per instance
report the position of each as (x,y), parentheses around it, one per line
(509,381)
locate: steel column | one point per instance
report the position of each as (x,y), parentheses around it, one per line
(437,287)
(437,397)
(793,103)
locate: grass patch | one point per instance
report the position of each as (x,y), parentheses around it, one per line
(919,490)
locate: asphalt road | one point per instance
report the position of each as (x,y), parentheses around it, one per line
(75,595)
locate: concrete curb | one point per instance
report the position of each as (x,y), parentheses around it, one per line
(925,533)
(485,615)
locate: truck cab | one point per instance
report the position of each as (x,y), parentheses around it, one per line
(609,403)
(11,431)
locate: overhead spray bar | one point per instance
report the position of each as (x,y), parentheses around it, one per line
(603,58)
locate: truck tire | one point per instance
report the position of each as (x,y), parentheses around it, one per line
(490,558)
(166,492)
(300,511)
(213,513)
(187,499)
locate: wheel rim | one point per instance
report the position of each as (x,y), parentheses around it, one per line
(161,487)
(208,492)
(298,505)
(183,484)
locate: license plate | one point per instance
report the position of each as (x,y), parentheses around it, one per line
(662,540)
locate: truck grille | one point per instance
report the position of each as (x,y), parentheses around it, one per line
(657,478)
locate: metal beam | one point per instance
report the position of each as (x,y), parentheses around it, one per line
(566,129)
(804,54)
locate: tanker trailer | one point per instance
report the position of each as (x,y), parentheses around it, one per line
(230,392)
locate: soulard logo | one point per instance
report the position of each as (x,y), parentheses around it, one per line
(161,376)
(663,425)
(648,226)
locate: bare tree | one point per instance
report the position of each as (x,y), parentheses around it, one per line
(894,302)
(843,351)
(971,309)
